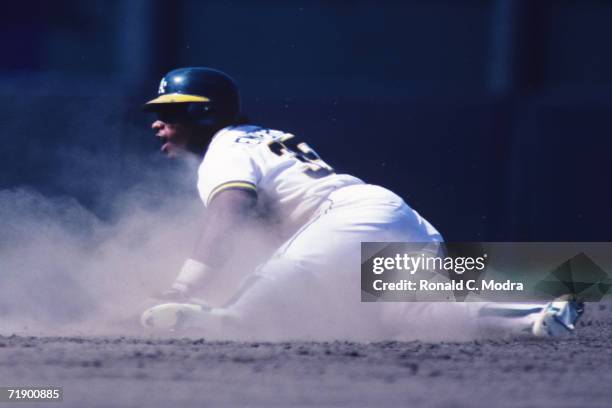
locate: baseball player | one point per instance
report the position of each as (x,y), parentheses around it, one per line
(311,284)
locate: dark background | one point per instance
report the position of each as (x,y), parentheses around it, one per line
(491,117)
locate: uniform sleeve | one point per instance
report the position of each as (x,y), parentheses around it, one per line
(227,165)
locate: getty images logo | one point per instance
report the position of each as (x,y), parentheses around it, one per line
(412,263)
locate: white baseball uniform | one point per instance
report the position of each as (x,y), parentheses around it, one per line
(284,172)
(311,286)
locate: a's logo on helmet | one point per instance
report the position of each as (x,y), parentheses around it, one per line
(162,86)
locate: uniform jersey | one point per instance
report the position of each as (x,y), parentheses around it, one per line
(281,169)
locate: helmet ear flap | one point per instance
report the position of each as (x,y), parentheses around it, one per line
(199,110)
(201,113)
(205,114)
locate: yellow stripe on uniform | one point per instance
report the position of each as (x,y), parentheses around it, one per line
(176,98)
(240,185)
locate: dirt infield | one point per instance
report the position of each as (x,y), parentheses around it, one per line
(134,372)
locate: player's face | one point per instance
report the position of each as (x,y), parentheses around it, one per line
(174,130)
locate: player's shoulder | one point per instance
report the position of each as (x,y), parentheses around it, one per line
(246,135)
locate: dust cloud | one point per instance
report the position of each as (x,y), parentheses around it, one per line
(63,268)
(66,270)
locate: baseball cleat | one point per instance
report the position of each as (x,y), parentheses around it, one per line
(171,316)
(558,318)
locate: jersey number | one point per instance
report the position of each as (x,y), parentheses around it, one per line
(288,146)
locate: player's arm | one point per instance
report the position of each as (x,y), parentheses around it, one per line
(227,184)
(227,214)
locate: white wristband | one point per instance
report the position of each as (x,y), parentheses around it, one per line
(192,275)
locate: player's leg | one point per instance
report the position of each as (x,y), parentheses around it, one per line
(311,287)
(507,317)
